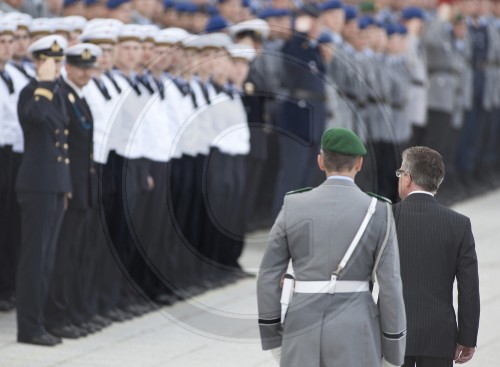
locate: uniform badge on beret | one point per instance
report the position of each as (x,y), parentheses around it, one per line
(71,97)
(305,45)
(55,47)
(249,88)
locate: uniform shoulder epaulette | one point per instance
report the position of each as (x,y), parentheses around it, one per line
(299,190)
(381,198)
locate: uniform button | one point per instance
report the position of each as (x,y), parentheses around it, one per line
(65,146)
(92,170)
(59,159)
(58,144)
(66,132)
(66,161)
(57,131)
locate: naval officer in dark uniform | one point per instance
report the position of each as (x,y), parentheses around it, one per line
(301,110)
(43,186)
(67,304)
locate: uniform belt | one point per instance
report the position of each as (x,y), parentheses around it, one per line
(378,100)
(348,95)
(307,95)
(445,71)
(341,286)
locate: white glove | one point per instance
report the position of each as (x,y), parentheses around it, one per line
(276,352)
(387,364)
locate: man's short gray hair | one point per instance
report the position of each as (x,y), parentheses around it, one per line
(425,166)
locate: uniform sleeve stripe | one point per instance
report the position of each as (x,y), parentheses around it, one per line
(270,321)
(395,336)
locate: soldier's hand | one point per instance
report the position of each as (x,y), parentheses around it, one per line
(48,70)
(386,363)
(276,352)
(150,183)
(67,196)
(463,354)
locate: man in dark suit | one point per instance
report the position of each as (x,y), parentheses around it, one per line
(436,247)
(43,187)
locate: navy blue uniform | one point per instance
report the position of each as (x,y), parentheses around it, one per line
(71,277)
(301,115)
(42,181)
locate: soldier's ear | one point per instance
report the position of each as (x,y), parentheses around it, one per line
(321,162)
(359,164)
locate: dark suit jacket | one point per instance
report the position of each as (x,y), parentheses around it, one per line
(80,141)
(436,246)
(43,118)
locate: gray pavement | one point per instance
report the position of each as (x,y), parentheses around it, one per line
(219,328)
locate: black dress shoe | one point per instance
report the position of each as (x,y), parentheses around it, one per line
(81,331)
(6,305)
(100,320)
(114,315)
(67,332)
(166,299)
(44,339)
(90,327)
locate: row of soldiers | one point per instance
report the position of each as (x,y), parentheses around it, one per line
(166,147)
(131,184)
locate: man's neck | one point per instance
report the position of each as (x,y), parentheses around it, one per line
(350,175)
(125,71)
(420,191)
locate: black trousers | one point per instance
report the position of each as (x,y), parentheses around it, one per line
(427,362)
(64,286)
(41,217)
(10,221)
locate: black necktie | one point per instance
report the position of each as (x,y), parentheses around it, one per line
(204,90)
(21,68)
(102,88)
(110,76)
(191,93)
(8,81)
(134,84)
(143,79)
(161,88)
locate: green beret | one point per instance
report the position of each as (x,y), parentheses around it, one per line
(343,141)
(367,7)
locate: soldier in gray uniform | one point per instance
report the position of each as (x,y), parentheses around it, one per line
(416,63)
(333,322)
(444,80)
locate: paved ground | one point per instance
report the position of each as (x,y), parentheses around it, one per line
(220,329)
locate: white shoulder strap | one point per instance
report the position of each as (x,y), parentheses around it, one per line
(357,237)
(376,288)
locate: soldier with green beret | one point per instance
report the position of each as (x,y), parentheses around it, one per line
(322,313)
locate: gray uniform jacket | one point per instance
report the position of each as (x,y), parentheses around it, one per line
(342,74)
(314,230)
(491,96)
(416,63)
(400,86)
(465,90)
(442,65)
